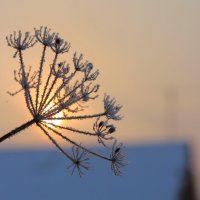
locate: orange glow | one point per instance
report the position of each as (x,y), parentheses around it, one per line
(55,122)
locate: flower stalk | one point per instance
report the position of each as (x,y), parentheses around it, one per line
(67,89)
(17,130)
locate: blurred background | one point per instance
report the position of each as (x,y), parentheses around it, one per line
(148,56)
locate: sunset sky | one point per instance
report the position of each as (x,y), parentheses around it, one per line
(148,54)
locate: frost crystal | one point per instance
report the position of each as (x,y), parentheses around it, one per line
(111,109)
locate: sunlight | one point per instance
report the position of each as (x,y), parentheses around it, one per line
(56,122)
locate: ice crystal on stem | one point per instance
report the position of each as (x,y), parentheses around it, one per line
(66,89)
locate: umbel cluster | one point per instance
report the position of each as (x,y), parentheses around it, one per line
(66,89)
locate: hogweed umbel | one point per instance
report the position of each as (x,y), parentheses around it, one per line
(66,90)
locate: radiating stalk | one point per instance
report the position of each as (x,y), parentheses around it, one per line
(40,76)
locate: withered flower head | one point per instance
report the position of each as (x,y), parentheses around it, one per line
(80,161)
(60,46)
(117,157)
(55,93)
(111,109)
(44,36)
(103,130)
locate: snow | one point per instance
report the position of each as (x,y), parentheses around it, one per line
(154,172)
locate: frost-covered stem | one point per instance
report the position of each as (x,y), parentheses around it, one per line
(58,90)
(77,117)
(28,98)
(40,75)
(54,96)
(56,144)
(74,143)
(59,109)
(42,102)
(48,94)
(16,130)
(73,129)
(55,110)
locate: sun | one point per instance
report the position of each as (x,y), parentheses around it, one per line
(57,122)
(58,115)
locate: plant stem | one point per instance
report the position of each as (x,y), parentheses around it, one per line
(40,75)
(42,102)
(18,129)
(26,91)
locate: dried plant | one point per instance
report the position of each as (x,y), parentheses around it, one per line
(65,90)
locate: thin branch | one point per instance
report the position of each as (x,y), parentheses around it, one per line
(55,143)
(42,102)
(48,93)
(76,117)
(28,96)
(16,130)
(72,129)
(74,143)
(59,89)
(40,75)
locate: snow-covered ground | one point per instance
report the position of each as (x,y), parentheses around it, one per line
(154,172)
